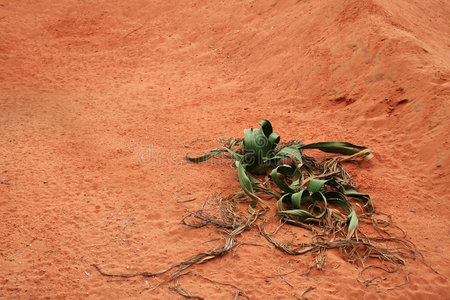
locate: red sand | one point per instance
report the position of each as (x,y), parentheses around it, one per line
(87,86)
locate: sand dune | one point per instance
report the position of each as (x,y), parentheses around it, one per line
(101,100)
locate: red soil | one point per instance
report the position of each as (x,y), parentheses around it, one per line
(88,86)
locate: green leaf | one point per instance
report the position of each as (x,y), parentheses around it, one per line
(296,198)
(366,199)
(206,156)
(289,151)
(244,180)
(339,199)
(335,147)
(259,145)
(296,201)
(214,152)
(285,170)
(316,185)
(319,197)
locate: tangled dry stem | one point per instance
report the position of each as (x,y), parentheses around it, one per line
(228,218)
(328,233)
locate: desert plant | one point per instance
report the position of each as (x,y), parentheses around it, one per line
(306,190)
(309,194)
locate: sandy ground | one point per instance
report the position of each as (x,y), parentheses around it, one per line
(100,101)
